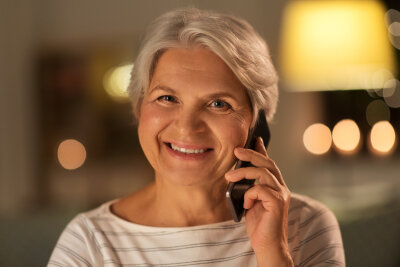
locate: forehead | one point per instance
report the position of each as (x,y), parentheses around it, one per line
(197,57)
(197,67)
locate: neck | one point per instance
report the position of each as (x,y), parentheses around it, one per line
(183,205)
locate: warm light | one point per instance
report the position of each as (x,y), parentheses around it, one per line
(376,111)
(116,82)
(392,18)
(331,45)
(71,154)
(346,136)
(317,139)
(389,88)
(382,138)
(394,28)
(391,93)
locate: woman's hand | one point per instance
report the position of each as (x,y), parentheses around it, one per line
(266,205)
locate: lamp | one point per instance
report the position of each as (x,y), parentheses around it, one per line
(331,45)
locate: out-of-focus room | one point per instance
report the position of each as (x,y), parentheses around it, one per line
(68,138)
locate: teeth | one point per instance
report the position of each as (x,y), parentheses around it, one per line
(187,151)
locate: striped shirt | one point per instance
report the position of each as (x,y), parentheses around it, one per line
(100,238)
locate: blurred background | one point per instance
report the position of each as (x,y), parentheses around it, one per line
(68,140)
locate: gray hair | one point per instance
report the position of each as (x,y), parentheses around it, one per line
(232,39)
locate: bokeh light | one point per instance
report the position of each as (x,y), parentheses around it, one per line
(391,93)
(346,136)
(116,82)
(394,28)
(389,88)
(376,111)
(378,79)
(392,18)
(347,49)
(71,154)
(395,40)
(382,138)
(392,15)
(317,139)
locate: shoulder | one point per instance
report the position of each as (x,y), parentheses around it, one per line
(85,224)
(302,202)
(313,233)
(87,221)
(304,210)
(77,245)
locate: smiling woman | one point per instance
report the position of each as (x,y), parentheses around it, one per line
(198,81)
(194,101)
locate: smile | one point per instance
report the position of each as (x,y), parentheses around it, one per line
(186,150)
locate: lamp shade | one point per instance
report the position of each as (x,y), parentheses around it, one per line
(333,45)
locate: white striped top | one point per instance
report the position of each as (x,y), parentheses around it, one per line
(100,238)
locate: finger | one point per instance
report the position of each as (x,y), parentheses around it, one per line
(254,157)
(261,193)
(259,160)
(260,147)
(264,176)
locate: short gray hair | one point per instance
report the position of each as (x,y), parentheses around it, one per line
(232,39)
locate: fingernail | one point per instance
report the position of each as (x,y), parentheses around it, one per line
(262,141)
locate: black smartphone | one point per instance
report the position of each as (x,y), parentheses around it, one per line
(235,191)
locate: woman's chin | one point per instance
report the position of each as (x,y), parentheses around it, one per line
(191,179)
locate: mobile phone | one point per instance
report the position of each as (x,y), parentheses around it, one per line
(235,191)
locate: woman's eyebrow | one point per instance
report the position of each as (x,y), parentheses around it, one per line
(207,96)
(222,95)
(163,88)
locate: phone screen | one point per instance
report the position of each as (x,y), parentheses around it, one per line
(235,191)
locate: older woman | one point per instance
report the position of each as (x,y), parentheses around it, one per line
(197,84)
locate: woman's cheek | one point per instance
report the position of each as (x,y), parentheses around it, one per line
(150,121)
(232,131)
(240,135)
(152,113)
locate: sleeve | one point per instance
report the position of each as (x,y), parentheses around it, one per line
(320,241)
(76,246)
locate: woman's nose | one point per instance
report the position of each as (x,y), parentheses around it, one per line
(189,121)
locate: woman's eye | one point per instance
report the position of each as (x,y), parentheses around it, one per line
(166,98)
(220,104)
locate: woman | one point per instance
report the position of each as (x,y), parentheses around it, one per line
(197,84)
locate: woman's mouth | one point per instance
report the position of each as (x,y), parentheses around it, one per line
(188,150)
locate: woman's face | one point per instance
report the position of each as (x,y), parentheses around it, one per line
(194,113)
